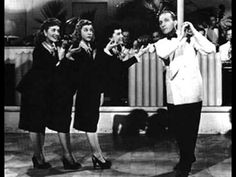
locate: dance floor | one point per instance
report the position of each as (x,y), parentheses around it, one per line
(131,156)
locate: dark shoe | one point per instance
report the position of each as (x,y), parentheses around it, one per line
(180,173)
(70,166)
(98,164)
(183,166)
(36,164)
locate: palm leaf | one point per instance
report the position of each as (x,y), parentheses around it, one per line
(53,9)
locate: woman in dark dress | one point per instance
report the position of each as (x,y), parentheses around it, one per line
(36,90)
(91,70)
(86,76)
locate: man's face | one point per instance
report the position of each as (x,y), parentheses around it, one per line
(117,36)
(166,22)
(155,36)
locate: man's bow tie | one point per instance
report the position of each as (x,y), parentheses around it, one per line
(171,35)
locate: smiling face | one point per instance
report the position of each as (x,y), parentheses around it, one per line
(167,23)
(87,33)
(52,34)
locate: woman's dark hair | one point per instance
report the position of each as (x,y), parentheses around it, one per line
(108,31)
(111,28)
(40,37)
(76,35)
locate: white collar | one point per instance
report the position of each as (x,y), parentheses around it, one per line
(51,48)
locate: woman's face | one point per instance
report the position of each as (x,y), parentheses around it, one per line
(166,22)
(117,36)
(52,34)
(87,33)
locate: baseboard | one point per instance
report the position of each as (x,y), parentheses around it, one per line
(214,119)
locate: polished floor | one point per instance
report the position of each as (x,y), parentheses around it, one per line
(131,157)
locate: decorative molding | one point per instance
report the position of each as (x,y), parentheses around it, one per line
(214,120)
(89,1)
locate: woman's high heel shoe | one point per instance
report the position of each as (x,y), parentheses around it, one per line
(70,166)
(36,164)
(99,164)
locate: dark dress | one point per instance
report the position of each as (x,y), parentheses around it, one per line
(35,91)
(117,79)
(87,102)
(61,98)
(92,77)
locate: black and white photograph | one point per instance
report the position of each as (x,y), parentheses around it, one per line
(118,88)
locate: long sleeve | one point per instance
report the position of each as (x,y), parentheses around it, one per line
(126,64)
(43,60)
(224,51)
(39,76)
(111,68)
(66,63)
(202,44)
(129,62)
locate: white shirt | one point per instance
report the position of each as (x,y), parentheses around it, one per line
(224,51)
(213,35)
(183,77)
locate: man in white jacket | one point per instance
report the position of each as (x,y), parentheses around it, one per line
(183,84)
(226,59)
(226,48)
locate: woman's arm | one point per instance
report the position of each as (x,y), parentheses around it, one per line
(127,63)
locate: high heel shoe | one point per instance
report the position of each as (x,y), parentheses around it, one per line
(70,166)
(99,164)
(36,164)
